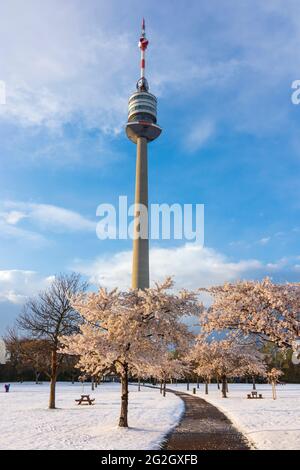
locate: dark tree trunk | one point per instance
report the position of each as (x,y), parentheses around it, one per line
(206,387)
(93,384)
(188,385)
(139,386)
(123,422)
(53,379)
(218,383)
(37,376)
(161,387)
(198,385)
(224,386)
(253,383)
(164,389)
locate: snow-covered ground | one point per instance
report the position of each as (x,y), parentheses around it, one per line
(26,423)
(268,424)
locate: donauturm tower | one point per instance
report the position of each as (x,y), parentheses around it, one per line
(141,129)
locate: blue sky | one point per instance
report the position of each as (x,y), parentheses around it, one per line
(222,72)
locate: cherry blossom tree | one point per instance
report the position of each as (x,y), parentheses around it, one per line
(3,352)
(129,333)
(264,309)
(199,358)
(225,359)
(273,377)
(170,367)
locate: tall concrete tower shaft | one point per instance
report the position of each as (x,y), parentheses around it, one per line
(140,267)
(141,128)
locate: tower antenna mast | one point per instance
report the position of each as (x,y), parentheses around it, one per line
(143,44)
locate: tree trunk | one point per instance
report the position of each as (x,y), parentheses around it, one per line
(253,383)
(274,391)
(188,385)
(123,422)
(37,376)
(218,383)
(224,386)
(161,387)
(206,387)
(164,389)
(53,379)
(198,385)
(93,384)
(139,387)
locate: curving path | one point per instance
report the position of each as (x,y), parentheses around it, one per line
(204,427)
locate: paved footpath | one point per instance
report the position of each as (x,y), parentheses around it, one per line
(204,427)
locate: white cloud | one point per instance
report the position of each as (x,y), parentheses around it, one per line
(57,69)
(200,133)
(264,241)
(191,265)
(12,217)
(17,285)
(79,59)
(44,217)
(10,231)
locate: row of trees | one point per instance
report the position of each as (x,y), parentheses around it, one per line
(143,333)
(30,358)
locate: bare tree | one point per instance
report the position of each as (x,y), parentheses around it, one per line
(50,315)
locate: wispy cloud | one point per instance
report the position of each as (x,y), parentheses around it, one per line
(42,217)
(264,241)
(11,231)
(57,68)
(17,285)
(199,134)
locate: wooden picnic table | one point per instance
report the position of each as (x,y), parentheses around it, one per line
(254,395)
(85,400)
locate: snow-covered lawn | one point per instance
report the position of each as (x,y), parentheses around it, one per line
(26,423)
(268,424)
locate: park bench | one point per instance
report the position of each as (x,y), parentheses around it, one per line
(85,400)
(254,395)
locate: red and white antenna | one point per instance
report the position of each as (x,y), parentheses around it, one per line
(143,44)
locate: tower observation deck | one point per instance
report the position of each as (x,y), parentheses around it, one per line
(141,128)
